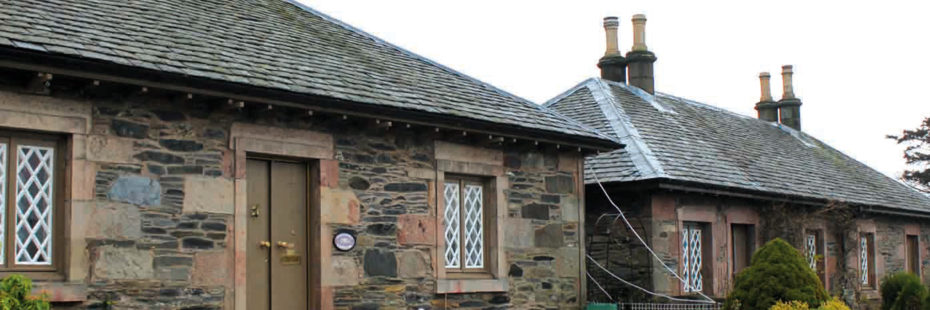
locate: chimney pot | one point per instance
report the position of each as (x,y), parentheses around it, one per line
(611,24)
(766,88)
(639,33)
(789,107)
(786,72)
(767,107)
(640,59)
(612,65)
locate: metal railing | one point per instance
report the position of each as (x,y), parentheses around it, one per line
(668,306)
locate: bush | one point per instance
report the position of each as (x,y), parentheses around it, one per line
(833,304)
(790,305)
(894,284)
(910,298)
(16,294)
(777,272)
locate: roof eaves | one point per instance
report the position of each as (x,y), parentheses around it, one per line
(642,157)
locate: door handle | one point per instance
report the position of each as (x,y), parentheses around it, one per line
(284,245)
(264,244)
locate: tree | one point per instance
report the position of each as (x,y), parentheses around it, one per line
(916,155)
(777,272)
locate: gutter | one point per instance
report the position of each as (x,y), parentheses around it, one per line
(671,185)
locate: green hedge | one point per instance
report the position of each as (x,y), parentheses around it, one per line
(777,272)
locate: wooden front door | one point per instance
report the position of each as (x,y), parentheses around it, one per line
(277,253)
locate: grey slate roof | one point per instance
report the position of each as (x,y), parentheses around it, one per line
(673,138)
(267,43)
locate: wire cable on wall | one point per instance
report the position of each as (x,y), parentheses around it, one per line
(599,285)
(656,256)
(643,289)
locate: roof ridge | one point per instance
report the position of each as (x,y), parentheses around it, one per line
(642,157)
(567,93)
(412,54)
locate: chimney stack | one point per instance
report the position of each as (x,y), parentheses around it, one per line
(613,65)
(640,59)
(789,107)
(767,107)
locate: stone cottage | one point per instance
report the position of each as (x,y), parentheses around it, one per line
(257,154)
(704,187)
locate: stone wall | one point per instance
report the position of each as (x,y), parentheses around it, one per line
(665,212)
(153,211)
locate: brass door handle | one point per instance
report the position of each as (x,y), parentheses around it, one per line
(264,244)
(284,245)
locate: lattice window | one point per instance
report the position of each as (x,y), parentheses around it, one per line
(464,224)
(452,227)
(691,257)
(474,228)
(865,268)
(812,251)
(34,182)
(3,159)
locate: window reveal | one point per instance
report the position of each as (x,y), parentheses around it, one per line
(692,260)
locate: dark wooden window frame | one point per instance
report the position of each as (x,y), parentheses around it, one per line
(487,207)
(60,205)
(912,255)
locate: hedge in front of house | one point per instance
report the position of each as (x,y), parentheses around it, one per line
(777,272)
(902,290)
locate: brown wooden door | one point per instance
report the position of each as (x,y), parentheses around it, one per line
(277,235)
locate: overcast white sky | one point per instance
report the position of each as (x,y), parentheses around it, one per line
(861,68)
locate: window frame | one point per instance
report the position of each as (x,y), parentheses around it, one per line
(706,251)
(912,256)
(869,249)
(487,205)
(60,215)
(819,249)
(750,246)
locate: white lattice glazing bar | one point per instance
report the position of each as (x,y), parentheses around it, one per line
(452,228)
(474,228)
(691,258)
(34,204)
(812,251)
(3,178)
(864,260)
(697,280)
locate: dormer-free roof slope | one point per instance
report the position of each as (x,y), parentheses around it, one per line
(271,44)
(672,138)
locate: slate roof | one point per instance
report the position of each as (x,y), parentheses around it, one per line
(673,138)
(266,43)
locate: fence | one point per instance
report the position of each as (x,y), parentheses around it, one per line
(655,306)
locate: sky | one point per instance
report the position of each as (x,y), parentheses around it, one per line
(861,68)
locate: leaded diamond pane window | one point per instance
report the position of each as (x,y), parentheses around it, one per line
(867,259)
(28,202)
(464,224)
(812,251)
(452,227)
(33,223)
(692,261)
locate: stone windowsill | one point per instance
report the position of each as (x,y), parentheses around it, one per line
(61,291)
(453,286)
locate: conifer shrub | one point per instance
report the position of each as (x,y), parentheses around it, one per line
(16,294)
(777,272)
(893,285)
(911,297)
